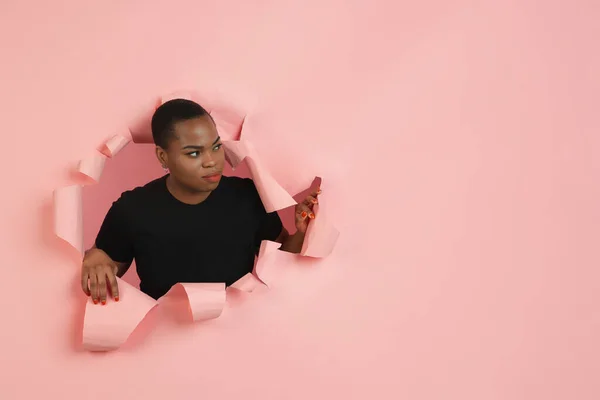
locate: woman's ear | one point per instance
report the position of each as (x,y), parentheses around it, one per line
(162,157)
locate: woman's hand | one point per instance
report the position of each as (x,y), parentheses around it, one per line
(304,211)
(101,272)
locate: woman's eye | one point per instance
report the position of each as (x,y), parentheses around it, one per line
(193,154)
(217,147)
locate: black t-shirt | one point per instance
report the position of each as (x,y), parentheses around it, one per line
(171,242)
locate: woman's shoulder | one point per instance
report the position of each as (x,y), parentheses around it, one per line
(141,194)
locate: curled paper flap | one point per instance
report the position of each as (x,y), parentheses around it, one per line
(241,289)
(273,196)
(93,166)
(205,300)
(68,216)
(107,327)
(266,267)
(246,283)
(114,145)
(321,236)
(229,123)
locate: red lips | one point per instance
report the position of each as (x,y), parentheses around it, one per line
(212,178)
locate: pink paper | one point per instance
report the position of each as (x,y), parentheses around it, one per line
(93,166)
(321,236)
(68,216)
(141,127)
(266,267)
(114,145)
(246,283)
(241,289)
(107,327)
(182,94)
(273,196)
(205,300)
(229,122)
(203,99)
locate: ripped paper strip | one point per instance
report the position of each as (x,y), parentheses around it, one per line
(115,145)
(204,300)
(107,327)
(264,267)
(93,166)
(68,215)
(273,196)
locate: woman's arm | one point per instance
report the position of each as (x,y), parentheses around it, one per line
(291,243)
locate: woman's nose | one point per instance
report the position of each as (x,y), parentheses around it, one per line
(208,162)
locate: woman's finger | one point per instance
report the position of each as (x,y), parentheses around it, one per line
(112,280)
(310,201)
(303,212)
(102,284)
(94,285)
(84,281)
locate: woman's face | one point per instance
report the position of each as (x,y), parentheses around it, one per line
(195,156)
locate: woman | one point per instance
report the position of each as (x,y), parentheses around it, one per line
(191,225)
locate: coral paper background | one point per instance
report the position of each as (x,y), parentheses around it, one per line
(460,146)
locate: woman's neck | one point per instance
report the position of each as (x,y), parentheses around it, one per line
(184,195)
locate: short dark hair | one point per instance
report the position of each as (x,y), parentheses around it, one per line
(168,114)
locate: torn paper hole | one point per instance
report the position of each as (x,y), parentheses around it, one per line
(107,327)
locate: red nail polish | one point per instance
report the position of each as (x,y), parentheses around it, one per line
(303,215)
(95,301)
(314,201)
(103,302)
(312,215)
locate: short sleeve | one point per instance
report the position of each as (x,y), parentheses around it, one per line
(270,225)
(270,228)
(113,237)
